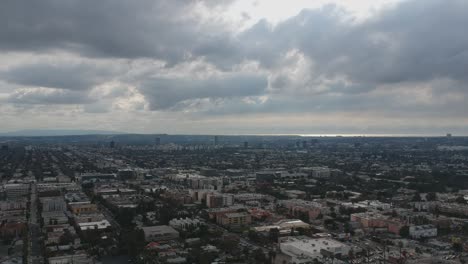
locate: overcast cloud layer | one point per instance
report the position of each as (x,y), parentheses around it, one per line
(181,66)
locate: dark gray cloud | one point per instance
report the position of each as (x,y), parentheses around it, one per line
(414,41)
(164,29)
(395,104)
(164,93)
(60,75)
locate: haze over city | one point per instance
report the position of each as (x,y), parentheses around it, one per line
(235,67)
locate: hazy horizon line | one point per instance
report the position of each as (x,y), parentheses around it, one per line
(82,132)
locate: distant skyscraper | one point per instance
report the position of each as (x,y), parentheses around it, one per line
(246,144)
(216,140)
(112,144)
(157,141)
(449,135)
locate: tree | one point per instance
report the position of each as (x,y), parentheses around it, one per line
(460,199)
(134,241)
(271,255)
(465,229)
(418,250)
(302,231)
(304,216)
(229,245)
(125,217)
(417,197)
(252,235)
(458,247)
(348,228)
(66,238)
(259,256)
(206,258)
(274,234)
(432,196)
(404,231)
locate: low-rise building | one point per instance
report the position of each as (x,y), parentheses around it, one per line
(297,207)
(71,259)
(370,220)
(215,213)
(422,231)
(184,224)
(15,190)
(303,249)
(214,200)
(82,207)
(235,219)
(375,205)
(94,225)
(52,204)
(160,233)
(283,225)
(91,221)
(54,218)
(9,205)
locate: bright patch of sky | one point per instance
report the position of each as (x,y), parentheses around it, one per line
(251,11)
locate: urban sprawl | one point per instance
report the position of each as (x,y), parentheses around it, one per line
(227,199)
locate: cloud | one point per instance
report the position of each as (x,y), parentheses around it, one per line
(181,58)
(413,41)
(164,29)
(164,93)
(60,75)
(48,96)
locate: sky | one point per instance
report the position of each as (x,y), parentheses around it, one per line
(235,66)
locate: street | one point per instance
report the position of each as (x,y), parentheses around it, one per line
(34,252)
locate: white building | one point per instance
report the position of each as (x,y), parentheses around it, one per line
(317,172)
(374,204)
(183,224)
(96,225)
(422,231)
(303,249)
(285,224)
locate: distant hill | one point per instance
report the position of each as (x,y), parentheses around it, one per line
(57,132)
